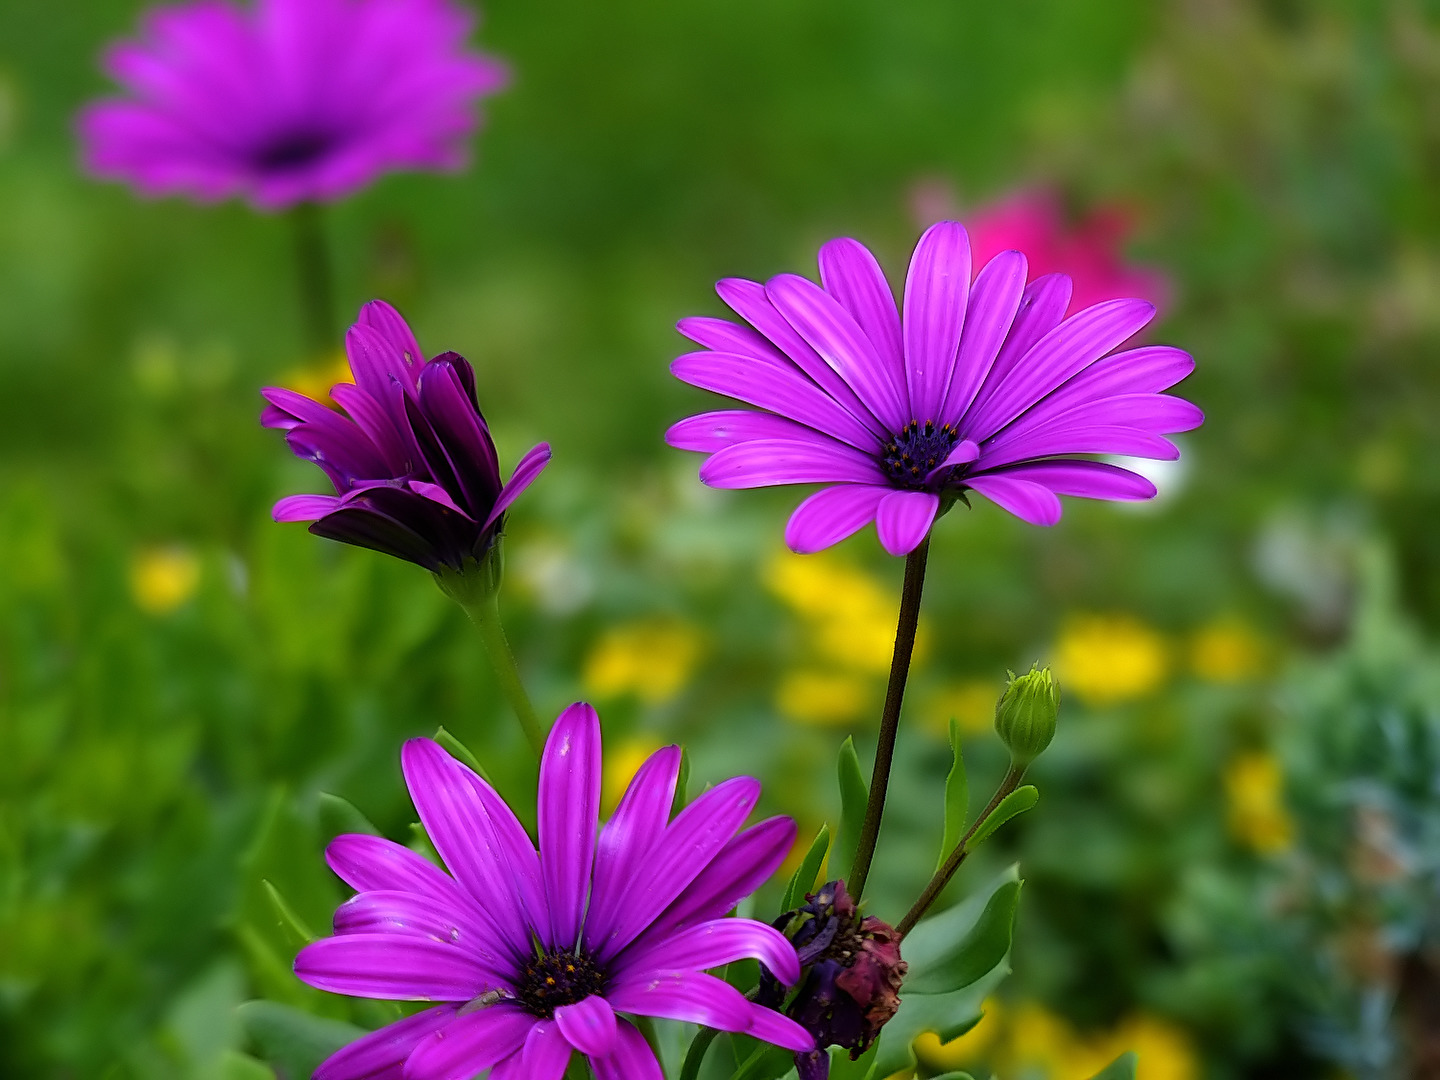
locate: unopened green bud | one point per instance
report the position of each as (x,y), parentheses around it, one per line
(1025,714)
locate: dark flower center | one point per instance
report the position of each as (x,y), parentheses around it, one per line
(293,149)
(555,979)
(909,456)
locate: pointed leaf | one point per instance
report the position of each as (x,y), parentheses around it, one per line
(957,798)
(682,783)
(339,815)
(461,752)
(854,793)
(978,953)
(291,924)
(1017,802)
(1122,1068)
(294,1041)
(803,880)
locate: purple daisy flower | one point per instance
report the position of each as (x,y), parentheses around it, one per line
(532,955)
(291,101)
(414,468)
(983,386)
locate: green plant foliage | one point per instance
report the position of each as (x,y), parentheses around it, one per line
(1017,802)
(957,798)
(804,878)
(854,794)
(1122,1068)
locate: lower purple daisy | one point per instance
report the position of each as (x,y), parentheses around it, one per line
(534,954)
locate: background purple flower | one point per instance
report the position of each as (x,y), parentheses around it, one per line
(288,101)
(533,954)
(415,471)
(983,386)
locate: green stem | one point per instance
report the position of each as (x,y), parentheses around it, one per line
(947,871)
(696,1054)
(485,614)
(314,277)
(890,718)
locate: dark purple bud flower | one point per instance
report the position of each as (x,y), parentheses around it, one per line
(411,459)
(851,985)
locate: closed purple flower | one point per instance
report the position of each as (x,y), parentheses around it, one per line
(411,459)
(532,955)
(288,101)
(982,386)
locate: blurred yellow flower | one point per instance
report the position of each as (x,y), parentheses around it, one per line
(650,658)
(1254,789)
(316,380)
(1226,651)
(971,703)
(622,762)
(1107,659)
(823,698)
(1164,1050)
(849,614)
(163,578)
(1038,1042)
(968,1049)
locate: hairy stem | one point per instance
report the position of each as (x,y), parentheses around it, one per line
(890,718)
(314,277)
(485,614)
(947,871)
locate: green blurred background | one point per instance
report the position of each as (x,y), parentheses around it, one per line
(1234,866)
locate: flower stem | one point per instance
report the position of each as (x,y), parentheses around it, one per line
(314,277)
(695,1056)
(947,871)
(890,718)
(484,612)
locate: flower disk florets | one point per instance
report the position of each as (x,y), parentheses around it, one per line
(910,457)
(556,979)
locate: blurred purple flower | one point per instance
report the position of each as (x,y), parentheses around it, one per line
(533,955)
(291,101)
(985,386)
(414,468)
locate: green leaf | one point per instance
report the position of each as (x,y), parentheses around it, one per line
(1122,1068)
(682,783)
(1017,802)
(459,750)
(804,879)
(237,1066)
(957,798)
(292,924)
(339,816)
(985,946)
(863,1068)
(294,1041)
(854,794)
(765,1062)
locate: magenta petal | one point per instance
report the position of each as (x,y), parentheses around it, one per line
(569,809)
(394,967)
(436,494)
(426,916)
(703,999)
(527,469)
(903,518)
(1053,441)
(1085,479)
(833,333)
(372,863)
(390,325)
(479,839)
(994,303)
(713,431)
(688,845)
(784,391)
(937,287)
(1027,501)
(1042,308)
(832,514)
(545,1054)
(637,825)
(384,1049)
(710,945)
(470,1045)
(767,462)
(849,272)
(588,1025)
(304,507)
(630,1059)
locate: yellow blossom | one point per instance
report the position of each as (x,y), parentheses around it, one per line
(1226,651)
(316,380)
(622,762)
(1254,789)
(968,1049)
(823,698)
(1107,659)
(971,703)
(849,615)
(1038,1042)
(650,658)
(163,578)
(1164,1050)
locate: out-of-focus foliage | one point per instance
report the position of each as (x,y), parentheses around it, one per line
(1227,872)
